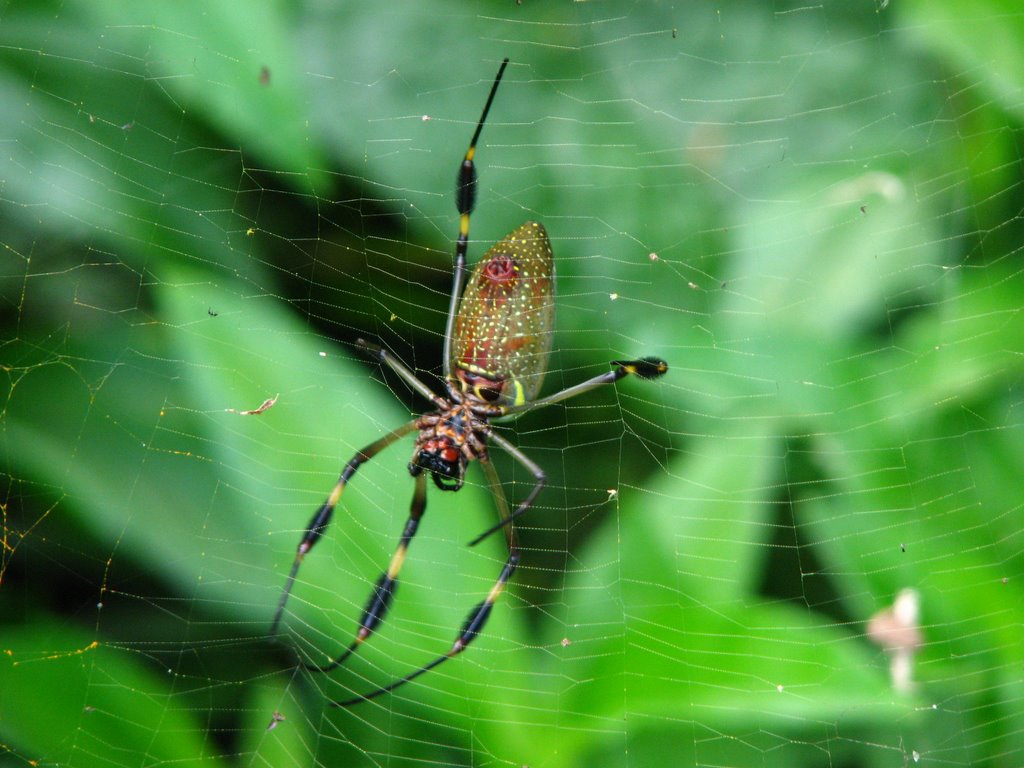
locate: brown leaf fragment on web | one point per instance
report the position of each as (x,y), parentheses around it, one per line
(266,405)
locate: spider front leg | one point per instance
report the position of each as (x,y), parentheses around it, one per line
(477,618)
(384,590)
(322,517)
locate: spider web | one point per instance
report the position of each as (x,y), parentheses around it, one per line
(802,546)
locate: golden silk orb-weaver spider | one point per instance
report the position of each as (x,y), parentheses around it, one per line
(496,346)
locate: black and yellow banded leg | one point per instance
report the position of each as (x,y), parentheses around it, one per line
(477,618)
(465,201)
(322,518)
(384,590)
(644,368)
(472,627)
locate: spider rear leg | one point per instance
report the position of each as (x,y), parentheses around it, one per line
(322,517)
(384,590)
(471,628)
(477,618)
(505,519)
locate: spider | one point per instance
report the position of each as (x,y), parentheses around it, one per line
(496,346)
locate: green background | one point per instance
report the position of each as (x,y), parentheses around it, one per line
(811,211)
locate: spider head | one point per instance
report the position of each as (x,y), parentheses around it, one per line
(444,461)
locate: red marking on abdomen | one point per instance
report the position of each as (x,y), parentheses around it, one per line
(500,269)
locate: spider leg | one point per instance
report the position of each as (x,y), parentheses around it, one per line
(465,201)
(539,477)
(645,368)
(408,376)
(384,590)
(322,517)
(477,618)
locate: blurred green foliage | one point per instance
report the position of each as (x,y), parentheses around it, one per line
(810,211)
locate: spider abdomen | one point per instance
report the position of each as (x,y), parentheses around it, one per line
(505,320)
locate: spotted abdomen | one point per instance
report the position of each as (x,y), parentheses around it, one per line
(506,317)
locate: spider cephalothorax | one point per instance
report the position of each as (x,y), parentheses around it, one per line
(448,440)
